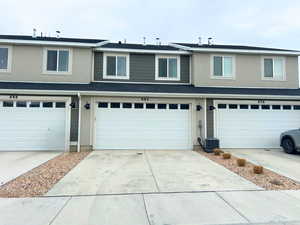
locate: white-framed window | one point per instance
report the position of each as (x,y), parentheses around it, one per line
(115,66)
(5,58)
(223,66)
(167,67)
(273,68)
(57,61)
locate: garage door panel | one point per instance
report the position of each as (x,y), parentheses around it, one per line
(142,129)
(247,128)
(24,128)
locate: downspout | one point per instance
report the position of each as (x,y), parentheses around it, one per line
(79,122)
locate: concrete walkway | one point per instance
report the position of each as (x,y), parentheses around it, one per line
(115,172)
(274,159)
(237,207)
(14,164)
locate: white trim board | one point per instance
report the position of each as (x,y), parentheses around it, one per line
(201,49)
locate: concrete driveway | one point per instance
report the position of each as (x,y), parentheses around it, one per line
(115,172)
(274,159)
(14,164)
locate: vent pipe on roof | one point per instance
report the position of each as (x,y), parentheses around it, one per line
(34,33)
(158,41)
(209,41)
(57,34)
(199,41)
(125,40)
(144,40)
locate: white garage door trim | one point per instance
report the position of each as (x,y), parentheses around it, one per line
(27,99)
(189,135)
(269,140)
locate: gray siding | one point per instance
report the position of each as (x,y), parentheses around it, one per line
(209,118)
(98,66)
(142,69)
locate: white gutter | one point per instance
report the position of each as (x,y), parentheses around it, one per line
(148,94)
(51,43)
(79,122)
(175,52)
(223,50)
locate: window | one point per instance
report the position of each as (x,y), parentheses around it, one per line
(286,107)
(221,106)
(114,105)
(138,105)
(150,106)
(116,66)
(265,107)
(254,106)
(244,106)
(167,68)
(8,104)
(47,104)
(276,107)
(60,104)
(102,105)
(161,106)
(233,106)
(34,104)
(127,105)
(273,68)
(5,56)
(57,61)
(21,104)
(173,106)
(184,106)
(296,107)
(223,66)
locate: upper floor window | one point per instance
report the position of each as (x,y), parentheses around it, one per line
(116,66)
(273,68)
(57,61)
(167,68)
(223,66)
(5,57)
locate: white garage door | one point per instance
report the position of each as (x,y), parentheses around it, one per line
(253,125)
(32,125)
(142,126)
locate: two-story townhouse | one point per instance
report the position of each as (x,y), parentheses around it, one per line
(57,92)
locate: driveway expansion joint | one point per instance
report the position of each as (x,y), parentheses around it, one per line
(150,168)
(231,206)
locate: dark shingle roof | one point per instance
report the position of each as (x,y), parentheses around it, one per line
(148,88)
(139,46)
(61,39)
(234,47)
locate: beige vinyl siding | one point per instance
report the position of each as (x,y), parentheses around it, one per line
(248,72)
(27,65)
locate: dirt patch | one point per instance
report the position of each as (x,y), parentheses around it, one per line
(41,179)
(268,180)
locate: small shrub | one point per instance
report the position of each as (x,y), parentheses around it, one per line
(276,182)
(226,155)
(217,151)
(241,162)
(258,169)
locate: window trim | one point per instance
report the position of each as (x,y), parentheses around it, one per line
(157,57)
(45,58)
(9,59)
(115,77)
(232,77)
(263,68)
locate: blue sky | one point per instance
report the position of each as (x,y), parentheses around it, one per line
(270,23)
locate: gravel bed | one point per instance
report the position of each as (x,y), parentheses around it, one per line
(41,179)
(268,180)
